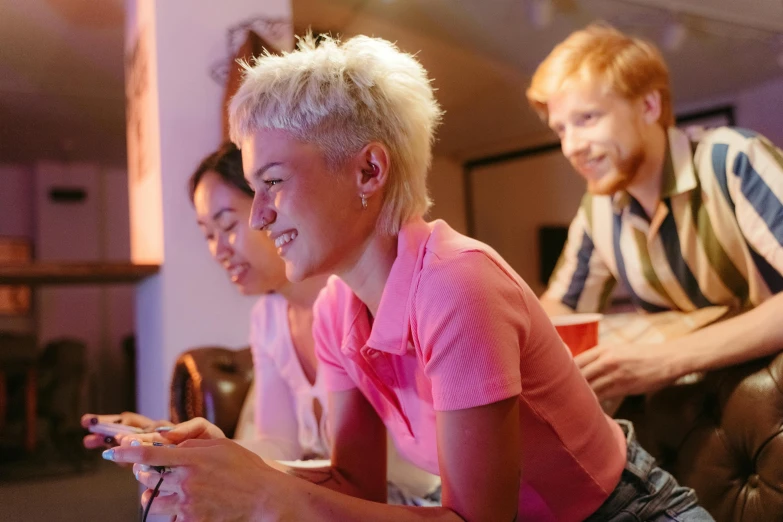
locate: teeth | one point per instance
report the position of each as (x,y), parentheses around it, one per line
(235,272)
(285,238)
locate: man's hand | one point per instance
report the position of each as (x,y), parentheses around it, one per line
(617,370)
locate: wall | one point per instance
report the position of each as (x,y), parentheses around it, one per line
(447,192)
(95,229)
(16,220)
(190,302)
(761,109)
(511,200)
(16,201)
(92,230)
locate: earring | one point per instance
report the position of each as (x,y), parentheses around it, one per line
(364,201)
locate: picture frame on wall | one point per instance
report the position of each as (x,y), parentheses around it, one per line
(15,300)
(722,116)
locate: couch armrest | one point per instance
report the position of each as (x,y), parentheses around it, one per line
(211,382)
(723,437)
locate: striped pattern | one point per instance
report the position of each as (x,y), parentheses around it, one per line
(715,239)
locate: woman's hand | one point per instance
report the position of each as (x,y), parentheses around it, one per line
(198,428)
(96,440)
(209,480)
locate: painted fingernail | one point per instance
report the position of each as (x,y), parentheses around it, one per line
(108,454)
(135,442)
(144,467)
(110,440)
(161,429)
(160,444)
(94,421)
(136,474)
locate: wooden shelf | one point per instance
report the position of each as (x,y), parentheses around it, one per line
(74,273)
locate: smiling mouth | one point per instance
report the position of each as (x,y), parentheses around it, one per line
(284,239)
(237,273)
(591,165)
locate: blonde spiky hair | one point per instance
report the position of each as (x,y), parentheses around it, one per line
(341,96)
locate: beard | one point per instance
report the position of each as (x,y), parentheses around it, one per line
(619,177)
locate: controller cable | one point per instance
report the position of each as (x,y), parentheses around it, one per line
(154,494)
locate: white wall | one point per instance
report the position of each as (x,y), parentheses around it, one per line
(96,229)
(190,302)
(93,230)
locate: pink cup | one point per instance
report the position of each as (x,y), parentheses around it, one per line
(578,331)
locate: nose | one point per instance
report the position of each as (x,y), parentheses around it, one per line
(572,143)
(261,212)
(223,250)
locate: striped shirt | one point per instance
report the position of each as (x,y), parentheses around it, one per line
(716,237)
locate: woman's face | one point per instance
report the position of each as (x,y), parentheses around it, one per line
(249,257)
(313,214)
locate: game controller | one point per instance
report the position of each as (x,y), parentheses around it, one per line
(159,469)
(111,429)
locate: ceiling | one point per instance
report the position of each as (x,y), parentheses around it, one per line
(61,80)
(61,64)
(481,53)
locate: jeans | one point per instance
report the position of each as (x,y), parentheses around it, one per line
(396,495)
(646,493)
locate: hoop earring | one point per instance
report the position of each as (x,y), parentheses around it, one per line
(364,201)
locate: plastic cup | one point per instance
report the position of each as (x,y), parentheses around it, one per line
(578,331)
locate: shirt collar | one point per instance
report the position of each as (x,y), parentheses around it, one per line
(391,328)
(678,176)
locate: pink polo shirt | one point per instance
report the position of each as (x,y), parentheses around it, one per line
(458,328)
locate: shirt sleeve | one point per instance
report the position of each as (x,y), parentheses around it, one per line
(755,188)
(581,279)
(470,319)
(277,430)
(328,339)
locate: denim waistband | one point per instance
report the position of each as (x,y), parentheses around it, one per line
(638,461)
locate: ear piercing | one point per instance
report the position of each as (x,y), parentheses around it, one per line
(364,201)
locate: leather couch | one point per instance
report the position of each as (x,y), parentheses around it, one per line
(211,382)
(722,436)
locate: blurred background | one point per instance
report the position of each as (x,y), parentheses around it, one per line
(107,106)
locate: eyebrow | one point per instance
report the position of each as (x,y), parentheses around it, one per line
(220,212)
(260,172)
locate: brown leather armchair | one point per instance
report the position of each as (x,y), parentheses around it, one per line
(722,436)
(211,382)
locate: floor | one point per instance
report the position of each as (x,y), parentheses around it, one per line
(105,492)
